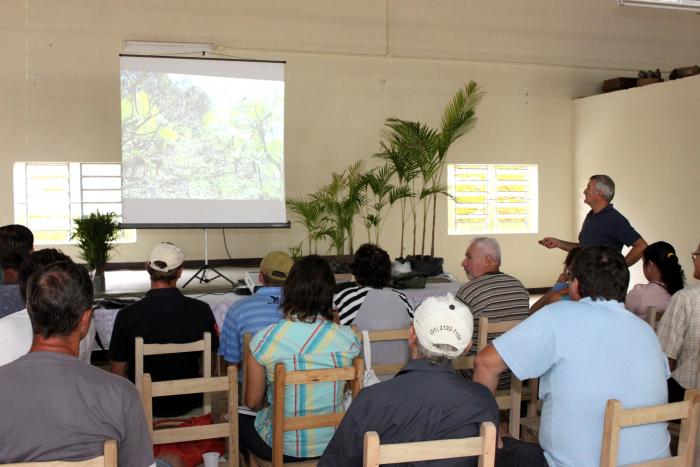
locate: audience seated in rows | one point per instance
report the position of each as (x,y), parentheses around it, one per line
(426,400)
(560,290)
(163,316)
(665,275)
(372,306)
(251,314)
(306,339)
(679,333)
(585,351)
(54,406)
(16,241)
(16,328)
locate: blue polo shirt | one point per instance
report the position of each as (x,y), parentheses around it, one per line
(250,314)
(607,227)
(585,353)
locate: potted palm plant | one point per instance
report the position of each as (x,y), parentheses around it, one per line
(95,233)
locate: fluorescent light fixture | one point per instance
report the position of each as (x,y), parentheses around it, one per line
(167,47)
(692,5)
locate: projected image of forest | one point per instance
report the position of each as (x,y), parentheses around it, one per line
(201,137)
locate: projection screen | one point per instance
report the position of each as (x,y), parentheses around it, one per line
(202,142)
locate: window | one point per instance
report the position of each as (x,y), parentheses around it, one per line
(48,196)
(492,198)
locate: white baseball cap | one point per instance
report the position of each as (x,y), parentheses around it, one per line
(443,320)
(166,257)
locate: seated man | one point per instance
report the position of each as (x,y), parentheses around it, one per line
(426,400)
(678,332)
(54,406)
(16,328)
(586,351)
(163,316)
(16,241)
(256,312)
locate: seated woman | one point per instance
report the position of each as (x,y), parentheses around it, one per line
(372,307)
(560,290)
(665,276)
(307,338)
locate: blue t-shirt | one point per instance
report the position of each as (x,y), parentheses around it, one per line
(607,227)
(587,352)
(250,314)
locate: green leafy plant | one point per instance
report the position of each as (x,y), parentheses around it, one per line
(295,251)
(95,233)
(383,195)
(309,212)
(418,154)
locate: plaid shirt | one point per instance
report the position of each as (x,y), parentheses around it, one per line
(304,346)
(679,333)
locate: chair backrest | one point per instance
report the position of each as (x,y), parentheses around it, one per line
(284,378)
(616,418)
(653,316)
(510,401)
(247,337)
(484,446)
(229,429)
(385,336)
(203,345)
(107,459)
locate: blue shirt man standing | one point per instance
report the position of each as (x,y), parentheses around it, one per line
(253,313)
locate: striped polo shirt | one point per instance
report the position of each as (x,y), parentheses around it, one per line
(304,346)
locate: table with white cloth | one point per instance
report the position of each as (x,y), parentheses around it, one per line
(221,302)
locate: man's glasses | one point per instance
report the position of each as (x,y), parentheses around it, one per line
(695,255)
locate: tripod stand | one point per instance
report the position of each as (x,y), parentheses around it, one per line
(201,273)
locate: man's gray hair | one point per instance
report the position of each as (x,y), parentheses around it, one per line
(605,186)
(489,246)
(436,358)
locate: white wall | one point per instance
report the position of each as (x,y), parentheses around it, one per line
(59,89)
(646,140)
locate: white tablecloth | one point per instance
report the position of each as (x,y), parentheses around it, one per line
(221,302)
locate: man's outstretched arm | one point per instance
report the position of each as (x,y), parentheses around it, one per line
(636,252)
(551,242)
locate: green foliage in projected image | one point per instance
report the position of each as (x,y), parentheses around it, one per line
(178,143)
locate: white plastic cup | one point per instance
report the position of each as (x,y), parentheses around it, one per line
(211,459)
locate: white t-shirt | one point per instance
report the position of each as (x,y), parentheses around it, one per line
(16,338)
(587,352)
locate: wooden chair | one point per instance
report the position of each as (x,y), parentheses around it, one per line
(281,424)
(228,429)
(247,337)
(654,316)
(203,345)
(107,459)
(510,399)
(385,336)
(484,446)
(616,418)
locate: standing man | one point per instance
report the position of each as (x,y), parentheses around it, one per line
(163,316)
(16,242)
(585,351)
(258,311)
(54,406)
(679,333)
(603,225)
